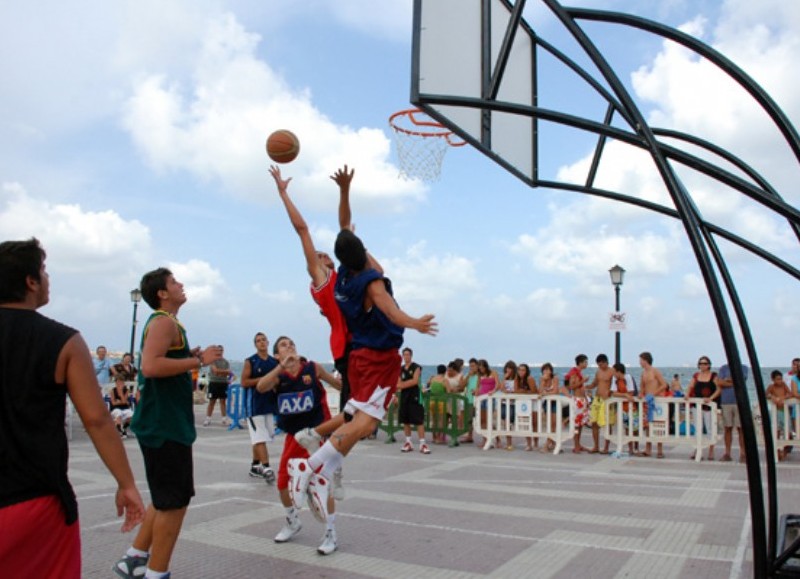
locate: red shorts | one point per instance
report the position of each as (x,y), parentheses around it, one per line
(36,542)
(291,449)
(373,372)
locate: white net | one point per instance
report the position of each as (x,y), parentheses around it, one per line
(421,144)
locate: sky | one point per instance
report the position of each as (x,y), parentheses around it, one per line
(132,137)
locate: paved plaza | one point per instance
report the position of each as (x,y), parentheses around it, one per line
(457,513)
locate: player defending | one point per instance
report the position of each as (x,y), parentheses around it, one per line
(302,403)
(376,324)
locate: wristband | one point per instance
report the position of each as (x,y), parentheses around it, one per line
(200,359)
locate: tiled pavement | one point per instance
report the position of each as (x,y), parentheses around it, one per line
(459,512)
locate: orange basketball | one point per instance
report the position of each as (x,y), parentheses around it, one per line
(283,146)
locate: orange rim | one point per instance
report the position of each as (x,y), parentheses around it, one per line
(444,132)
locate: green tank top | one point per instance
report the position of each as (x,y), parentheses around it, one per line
(166,410)
(438,388)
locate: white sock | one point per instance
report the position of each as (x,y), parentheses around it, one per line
(331,466)
(290,511)
(421,441)
(408,439)
(330,521)
(325,453)
(150,574)
(134,552)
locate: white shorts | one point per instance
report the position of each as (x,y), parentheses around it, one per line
(375,406)
(124,413)
(261,428)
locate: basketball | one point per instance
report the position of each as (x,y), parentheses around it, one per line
(283,146)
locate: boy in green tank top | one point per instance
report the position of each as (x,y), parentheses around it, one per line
(164,425)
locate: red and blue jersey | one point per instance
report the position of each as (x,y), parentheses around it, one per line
(302,401)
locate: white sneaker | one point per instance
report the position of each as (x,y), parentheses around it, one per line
(319,489)
(299,475)
(269,475)
(257,471)
(308,439)
(328,545)
(226,421)
(290,529)
(207,421)
(338,488)
(407,447)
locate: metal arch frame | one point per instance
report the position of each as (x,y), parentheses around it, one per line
(767,561)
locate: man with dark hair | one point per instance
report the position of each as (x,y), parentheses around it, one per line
(376,325)
(164,425)
(575,382)
(599,414)
(41,361)
(260,407)
(410,411)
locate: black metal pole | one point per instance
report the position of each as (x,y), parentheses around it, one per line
(133,333)
(617,337)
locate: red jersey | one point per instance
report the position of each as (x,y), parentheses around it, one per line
(324,298)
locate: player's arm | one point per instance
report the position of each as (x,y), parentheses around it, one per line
(270,380)
(74,367)
(162,333)
(313,265)
(380,298)
(326,376)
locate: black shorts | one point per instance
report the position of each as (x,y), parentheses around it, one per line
(344,394)
(170,475)
(218,390)
(410,412)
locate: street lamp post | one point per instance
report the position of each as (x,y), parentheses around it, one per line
(136,297)
(617,275)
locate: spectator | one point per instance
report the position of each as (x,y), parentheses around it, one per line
(410,411)
(218,389)
(730,412)
(120,406)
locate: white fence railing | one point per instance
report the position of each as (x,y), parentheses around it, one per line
(785,424)
(676,421)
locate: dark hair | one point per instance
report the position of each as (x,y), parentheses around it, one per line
(580,359)
(152,283)
(409,350)
(482,363)
(459,362)
(453,366)
(350,251)
(775,374)
(601,358)
(471,360)
(441,369)
(647,357)
(510,364)
(547,365)
(257,335)
(278,341)
(619,367)
(18,260)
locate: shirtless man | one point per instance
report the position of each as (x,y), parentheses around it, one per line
(603,382)
(654,384)
(575,382)
(779,392)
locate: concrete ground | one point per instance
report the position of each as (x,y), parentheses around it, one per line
(459,512)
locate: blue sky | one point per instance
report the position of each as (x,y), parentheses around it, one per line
(133,137)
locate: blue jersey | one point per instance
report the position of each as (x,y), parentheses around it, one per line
(256,403)
(369,328)
(300,399)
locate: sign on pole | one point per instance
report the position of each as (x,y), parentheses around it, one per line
(616,321)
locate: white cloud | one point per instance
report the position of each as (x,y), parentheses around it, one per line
(205,286)
(282,296)
(693,286)
(76,240)
(216,128)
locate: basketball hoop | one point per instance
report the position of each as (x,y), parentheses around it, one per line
(421,144)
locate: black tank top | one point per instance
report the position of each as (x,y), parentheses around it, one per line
(33,443)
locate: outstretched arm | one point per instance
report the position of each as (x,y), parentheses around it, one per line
(342,177)
(315,269)
(380,298)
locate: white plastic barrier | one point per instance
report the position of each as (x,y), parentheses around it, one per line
(534,416)
(785,424)
(674,421)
